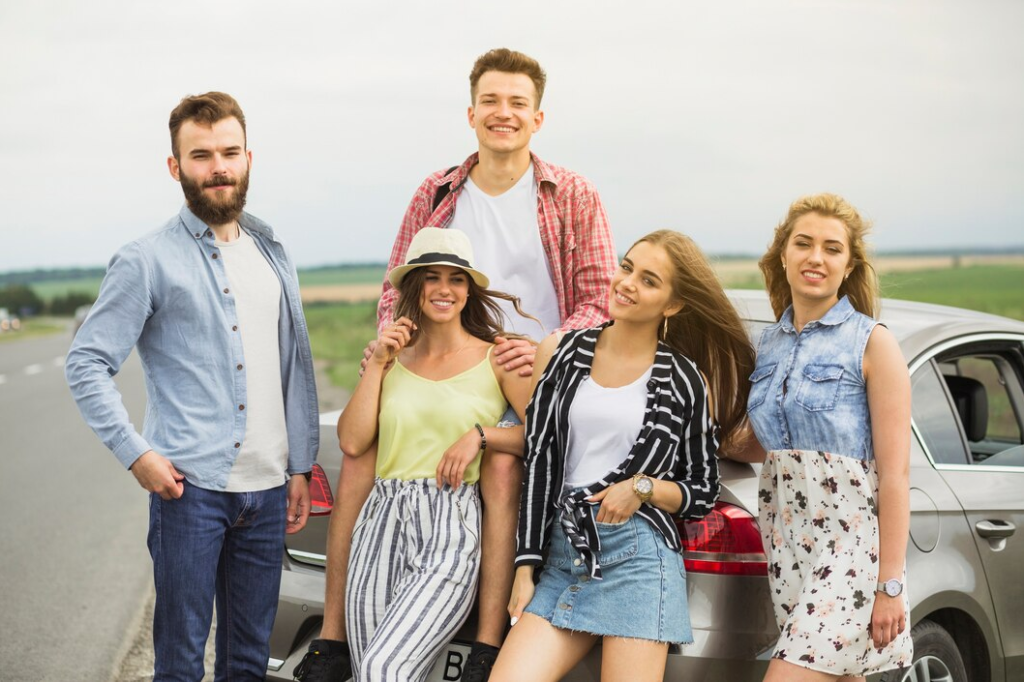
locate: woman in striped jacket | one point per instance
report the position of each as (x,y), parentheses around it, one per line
(622,436)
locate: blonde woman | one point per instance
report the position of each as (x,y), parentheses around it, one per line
(830,403)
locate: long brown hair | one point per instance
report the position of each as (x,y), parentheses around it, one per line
(707,329)
(482,316)
(862,284)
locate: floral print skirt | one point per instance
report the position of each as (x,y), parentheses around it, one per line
(819,525)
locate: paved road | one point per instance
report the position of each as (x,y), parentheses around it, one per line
(74,569)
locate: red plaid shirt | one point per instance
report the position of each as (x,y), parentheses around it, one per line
(574,232)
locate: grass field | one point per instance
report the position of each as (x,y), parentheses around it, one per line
(355,274)
(338,332)
(49,290)
(997,289)
(332,278)
(340,302)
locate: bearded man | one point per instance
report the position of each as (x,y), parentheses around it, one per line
(211,302)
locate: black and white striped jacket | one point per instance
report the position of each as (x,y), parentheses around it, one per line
(678,443)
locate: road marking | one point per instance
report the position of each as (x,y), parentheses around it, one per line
(33,369)
(58,361)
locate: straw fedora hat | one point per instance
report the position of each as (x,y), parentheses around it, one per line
(438,246)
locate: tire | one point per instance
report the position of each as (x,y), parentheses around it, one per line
(936,657)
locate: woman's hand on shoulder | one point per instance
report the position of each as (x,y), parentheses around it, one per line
(618,502)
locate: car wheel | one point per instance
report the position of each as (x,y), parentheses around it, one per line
(936,658)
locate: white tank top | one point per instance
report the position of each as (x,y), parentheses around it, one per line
(506,243)
(604,423)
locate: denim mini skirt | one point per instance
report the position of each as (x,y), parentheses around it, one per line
(642,594)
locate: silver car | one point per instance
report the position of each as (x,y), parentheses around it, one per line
(965,561)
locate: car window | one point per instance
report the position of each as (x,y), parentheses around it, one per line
(934,418)
(992,373)
(984,385)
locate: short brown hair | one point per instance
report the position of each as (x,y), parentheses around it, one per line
(861,286)
(508,61)
(205,110)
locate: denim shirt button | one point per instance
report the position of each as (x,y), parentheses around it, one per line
(214,256)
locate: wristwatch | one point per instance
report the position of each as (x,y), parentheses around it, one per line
(891,587)
(643,487)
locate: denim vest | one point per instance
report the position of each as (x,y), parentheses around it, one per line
(807,391)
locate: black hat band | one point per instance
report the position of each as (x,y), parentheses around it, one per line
(439,258)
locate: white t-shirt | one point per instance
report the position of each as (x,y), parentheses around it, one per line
(262,461)
(506,246)
(603,426)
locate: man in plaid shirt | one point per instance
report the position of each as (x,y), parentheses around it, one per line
(541,233)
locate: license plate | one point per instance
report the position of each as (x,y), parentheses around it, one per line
(450,663)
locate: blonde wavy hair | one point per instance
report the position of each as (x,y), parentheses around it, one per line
(862,284)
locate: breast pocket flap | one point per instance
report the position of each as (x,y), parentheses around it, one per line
(820,387)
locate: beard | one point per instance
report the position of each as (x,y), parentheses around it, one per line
(215,210)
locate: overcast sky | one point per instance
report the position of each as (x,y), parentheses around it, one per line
(708,118)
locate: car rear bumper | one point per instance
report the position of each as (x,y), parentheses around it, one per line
(732,626)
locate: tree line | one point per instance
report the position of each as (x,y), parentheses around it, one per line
(23,300)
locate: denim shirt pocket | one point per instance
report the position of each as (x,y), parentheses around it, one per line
(819,387)
(760,382)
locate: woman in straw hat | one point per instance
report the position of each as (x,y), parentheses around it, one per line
(426,397)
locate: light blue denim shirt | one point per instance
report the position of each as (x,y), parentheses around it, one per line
(807,391)
(168,295)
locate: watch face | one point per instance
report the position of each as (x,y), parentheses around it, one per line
(893,587)
(644,485)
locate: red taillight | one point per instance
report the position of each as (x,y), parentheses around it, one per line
(726,542)
(320,497)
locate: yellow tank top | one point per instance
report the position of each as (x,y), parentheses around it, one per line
(420,418)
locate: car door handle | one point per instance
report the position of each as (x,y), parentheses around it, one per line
(995,529)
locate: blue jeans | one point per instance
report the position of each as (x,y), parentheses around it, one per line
(206,545)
